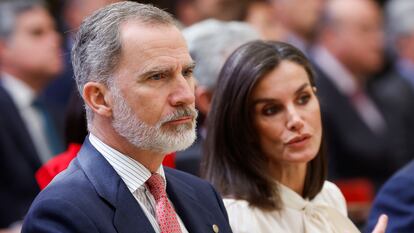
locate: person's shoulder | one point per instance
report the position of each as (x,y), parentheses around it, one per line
(395,199)
(399,181)
(332,196)
(70,185)
(406,172)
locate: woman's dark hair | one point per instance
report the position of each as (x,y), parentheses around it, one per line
(233,160)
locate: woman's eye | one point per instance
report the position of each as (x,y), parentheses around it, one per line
(304,99)
(270,110)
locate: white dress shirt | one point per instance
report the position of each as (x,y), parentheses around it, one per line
(23,97)
(134,174)
(325,213)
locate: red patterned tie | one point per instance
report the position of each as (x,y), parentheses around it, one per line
(166,216)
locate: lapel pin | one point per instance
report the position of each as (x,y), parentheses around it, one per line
(215,228)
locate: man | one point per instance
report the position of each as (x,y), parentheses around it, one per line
(29,135)
(134,71)
(299,19)
(210,43)
(396,88)
(358,133)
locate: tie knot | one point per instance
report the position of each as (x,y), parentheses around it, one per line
(156,186)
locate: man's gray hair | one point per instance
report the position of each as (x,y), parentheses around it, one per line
(10,10)
(210,43)
(97,48)
(399,16)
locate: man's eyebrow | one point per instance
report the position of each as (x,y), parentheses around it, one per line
(155,70)
(190,65)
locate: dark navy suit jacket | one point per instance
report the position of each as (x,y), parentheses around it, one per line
(91,197)
(18,163)
(396,199)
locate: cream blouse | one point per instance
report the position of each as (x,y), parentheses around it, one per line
(325,213)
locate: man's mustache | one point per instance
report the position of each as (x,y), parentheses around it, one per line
(180,113)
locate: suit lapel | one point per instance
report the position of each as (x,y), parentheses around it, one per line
(128,216)
(195,218)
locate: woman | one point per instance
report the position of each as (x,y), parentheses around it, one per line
(263,146)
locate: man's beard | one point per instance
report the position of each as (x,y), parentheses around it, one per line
(153,138)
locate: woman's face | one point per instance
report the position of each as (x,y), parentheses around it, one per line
(287,115)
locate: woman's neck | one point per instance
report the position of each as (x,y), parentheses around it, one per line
(291,175)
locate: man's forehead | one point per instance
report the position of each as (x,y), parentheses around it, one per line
(153,43)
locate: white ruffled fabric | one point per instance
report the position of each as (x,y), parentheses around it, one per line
(325,213)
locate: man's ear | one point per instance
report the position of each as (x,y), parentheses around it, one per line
(203,99)
(97,97)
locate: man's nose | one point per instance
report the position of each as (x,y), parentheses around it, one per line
(183,93)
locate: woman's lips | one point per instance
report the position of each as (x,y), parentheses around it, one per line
(299,141)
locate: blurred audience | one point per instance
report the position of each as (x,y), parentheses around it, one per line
(75,132)
(360,132)
(210,43)
(30,56)
(261,15)
(226,10)
(300,19)
(350,49)
(395,89)
(395,199)
(72,14)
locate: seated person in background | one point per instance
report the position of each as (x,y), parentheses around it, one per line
(30,57)
(134,71)
(396,200)
(263,146)
(210,43)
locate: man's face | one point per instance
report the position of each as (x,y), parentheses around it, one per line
(34,47)
(300,16)
(153,89)
(360,36)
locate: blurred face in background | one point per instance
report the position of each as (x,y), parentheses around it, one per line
(34,47)
(222,9)
(358,35)
(287,115)
(299,16)
(77,10)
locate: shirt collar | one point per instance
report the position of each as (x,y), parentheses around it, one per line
(21,94)
(133,173)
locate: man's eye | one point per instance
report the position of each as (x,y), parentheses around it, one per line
(188,73)
(157,77)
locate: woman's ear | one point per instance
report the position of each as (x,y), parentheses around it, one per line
(314,89)
(97,97)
